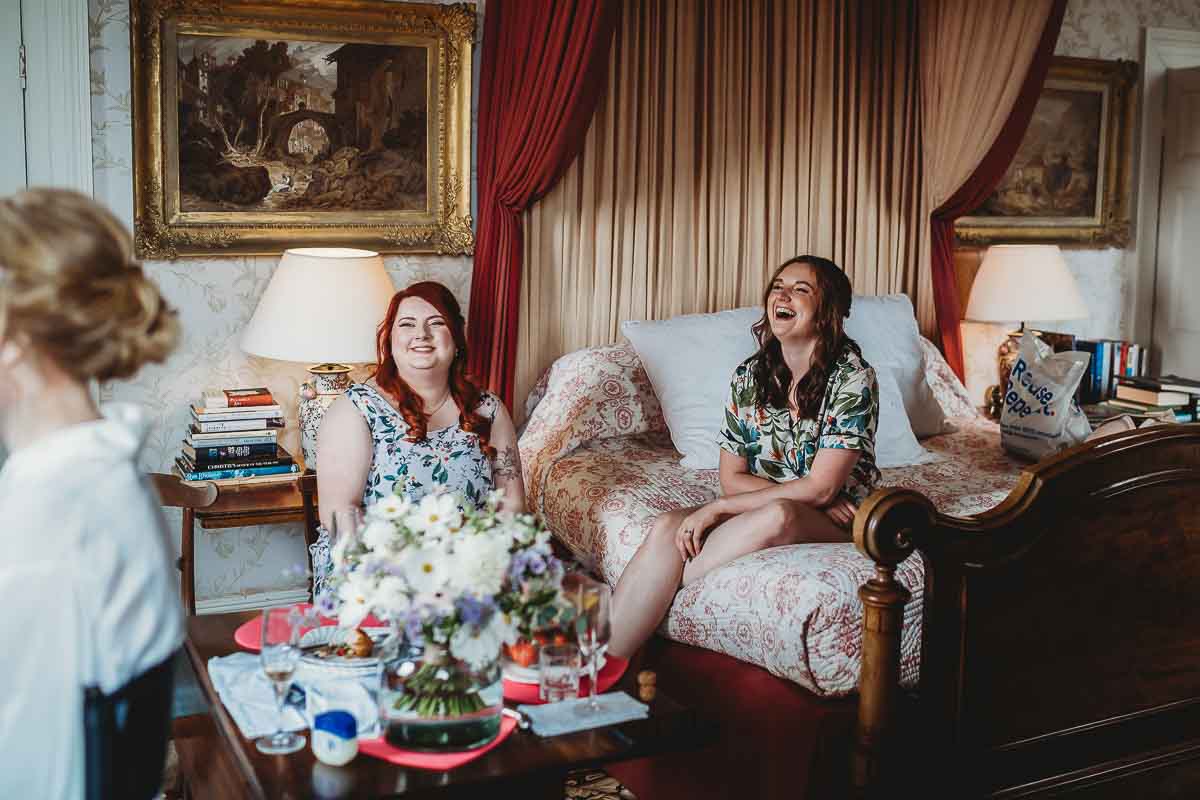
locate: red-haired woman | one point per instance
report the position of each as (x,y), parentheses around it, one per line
(419,425)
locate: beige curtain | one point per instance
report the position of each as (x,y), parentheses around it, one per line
(975,56)
(735,134)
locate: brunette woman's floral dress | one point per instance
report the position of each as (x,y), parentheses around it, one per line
(447,459)
(782,449)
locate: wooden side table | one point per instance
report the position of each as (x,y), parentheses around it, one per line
(235,506)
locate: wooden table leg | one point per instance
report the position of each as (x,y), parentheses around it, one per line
(187,562)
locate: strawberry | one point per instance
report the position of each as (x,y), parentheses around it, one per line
(523,652)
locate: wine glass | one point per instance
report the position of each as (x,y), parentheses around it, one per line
(592,602)
(347,521)
(279,655)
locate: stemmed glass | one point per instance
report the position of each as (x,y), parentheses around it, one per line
(279,655)
(346,523)
(592,601)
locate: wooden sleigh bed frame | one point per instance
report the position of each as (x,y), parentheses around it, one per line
(1061,649)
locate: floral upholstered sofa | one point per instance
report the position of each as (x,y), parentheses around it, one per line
(599,465)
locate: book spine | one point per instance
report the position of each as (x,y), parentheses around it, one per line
(230,440)
(1106,387)
(218,453)
(234,398)
(1085,393)
(236,413)
(240,472)
(247,400)
(240,463)
(1124,360)
(238,425)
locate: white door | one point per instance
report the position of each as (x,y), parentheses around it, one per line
(1177,281)
(13,170)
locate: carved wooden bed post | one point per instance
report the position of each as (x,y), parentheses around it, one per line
(884,532)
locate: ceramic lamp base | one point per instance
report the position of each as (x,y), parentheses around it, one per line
(1006,357)
(329,381)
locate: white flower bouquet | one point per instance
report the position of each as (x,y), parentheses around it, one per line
(450,577)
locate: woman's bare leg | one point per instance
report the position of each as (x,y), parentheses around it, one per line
(647,586)
(778,522)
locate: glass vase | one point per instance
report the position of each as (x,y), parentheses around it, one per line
(433,702)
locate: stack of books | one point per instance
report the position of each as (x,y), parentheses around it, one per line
(1163,394)
(233,438)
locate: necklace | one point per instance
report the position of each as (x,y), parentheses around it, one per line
(430,414)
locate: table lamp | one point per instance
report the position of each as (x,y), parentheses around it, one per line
(321,307)
(1021,283)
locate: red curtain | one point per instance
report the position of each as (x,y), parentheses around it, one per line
(545,64)
(977,188)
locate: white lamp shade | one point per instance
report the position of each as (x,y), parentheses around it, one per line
(1022,283)
(322,305)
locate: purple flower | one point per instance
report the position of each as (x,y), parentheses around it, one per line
(537,564)
(326,605)
(516,568)
(475,611)
(413,628)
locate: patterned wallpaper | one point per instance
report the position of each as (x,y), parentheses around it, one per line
(215,298)
(1112,29)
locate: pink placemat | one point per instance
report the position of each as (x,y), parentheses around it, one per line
(610,673)
(249,634)
(379,748)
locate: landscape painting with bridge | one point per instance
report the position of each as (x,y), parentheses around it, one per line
(301,126)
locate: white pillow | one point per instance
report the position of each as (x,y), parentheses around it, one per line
(886,329)
(895,444)
(690,361)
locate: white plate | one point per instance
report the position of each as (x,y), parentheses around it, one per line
(324,635)
(514,672)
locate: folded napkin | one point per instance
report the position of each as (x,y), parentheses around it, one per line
(250,700)
(248,696)
(554,719)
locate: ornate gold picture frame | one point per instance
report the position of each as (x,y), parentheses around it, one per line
(1070,180)
(260,125)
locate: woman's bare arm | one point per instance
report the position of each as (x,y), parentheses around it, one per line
(506,466)
(820,487)
(344,450)
(736,477)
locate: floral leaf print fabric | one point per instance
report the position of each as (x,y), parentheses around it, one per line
(449,459)
(782,449)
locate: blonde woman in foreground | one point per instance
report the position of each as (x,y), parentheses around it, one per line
(86,582)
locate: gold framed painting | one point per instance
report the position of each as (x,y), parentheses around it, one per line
(266,124)
(1070,180)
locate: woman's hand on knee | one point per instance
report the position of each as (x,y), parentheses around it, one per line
(841,511)
(689,538)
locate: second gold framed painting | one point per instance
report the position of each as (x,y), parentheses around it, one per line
(261,125)
(1071,179)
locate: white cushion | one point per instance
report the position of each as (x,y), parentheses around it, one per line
(691,358)
(895,443)
(886,329)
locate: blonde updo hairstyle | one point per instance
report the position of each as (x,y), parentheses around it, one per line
(70,288)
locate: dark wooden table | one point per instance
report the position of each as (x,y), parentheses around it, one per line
(218,762)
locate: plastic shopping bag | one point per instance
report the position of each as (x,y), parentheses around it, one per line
(1040,415)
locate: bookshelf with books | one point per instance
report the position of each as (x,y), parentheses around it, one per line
(1111,359)
(233,438)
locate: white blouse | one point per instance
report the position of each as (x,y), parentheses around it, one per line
(88,594)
